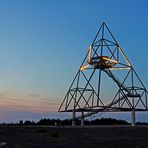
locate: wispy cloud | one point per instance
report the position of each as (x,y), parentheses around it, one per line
(15,107)
(32,102)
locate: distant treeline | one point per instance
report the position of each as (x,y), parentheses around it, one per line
(58,122)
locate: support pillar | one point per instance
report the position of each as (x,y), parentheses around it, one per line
(133,117)
(73,118)
(82,119)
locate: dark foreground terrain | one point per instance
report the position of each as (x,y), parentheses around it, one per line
(60,137)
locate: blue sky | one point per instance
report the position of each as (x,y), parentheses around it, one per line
(43,42)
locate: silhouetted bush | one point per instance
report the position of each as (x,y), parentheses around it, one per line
(141,123)
(48,121)
(58,122)
(103,121)
(108,121)
(27,122)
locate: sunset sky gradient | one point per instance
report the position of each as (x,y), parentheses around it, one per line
(43,42)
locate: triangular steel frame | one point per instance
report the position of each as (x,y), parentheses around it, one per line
(105,55)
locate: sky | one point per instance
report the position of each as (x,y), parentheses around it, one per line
(43,43)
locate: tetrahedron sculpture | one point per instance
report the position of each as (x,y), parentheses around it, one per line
(106,81)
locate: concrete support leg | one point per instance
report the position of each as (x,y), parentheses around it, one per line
(82,119)
(133,117)
(74,118)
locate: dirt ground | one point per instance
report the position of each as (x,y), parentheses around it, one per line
(68,137)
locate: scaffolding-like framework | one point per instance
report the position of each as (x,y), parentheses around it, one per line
(105,57)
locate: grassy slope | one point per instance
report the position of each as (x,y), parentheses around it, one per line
(99,137)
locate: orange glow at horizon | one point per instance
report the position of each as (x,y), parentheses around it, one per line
(29,104)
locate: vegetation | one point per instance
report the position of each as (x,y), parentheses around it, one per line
(65,137)
(58,122)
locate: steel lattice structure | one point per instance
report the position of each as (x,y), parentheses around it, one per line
(105,57)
